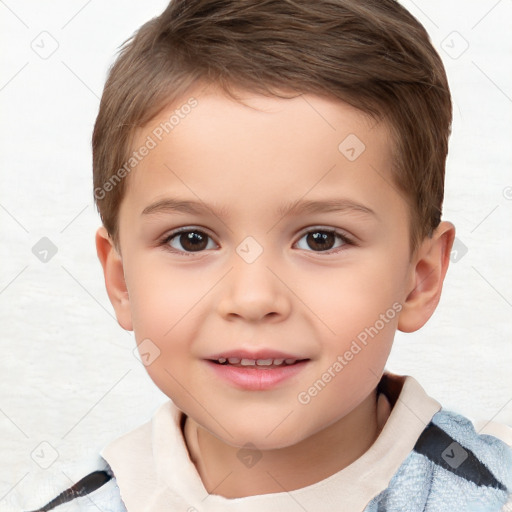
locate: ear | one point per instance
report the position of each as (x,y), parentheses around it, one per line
(428,269)
(114,278)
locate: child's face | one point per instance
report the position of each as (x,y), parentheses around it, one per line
(260,280)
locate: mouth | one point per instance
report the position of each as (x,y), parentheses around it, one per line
(256,371)
(257,364)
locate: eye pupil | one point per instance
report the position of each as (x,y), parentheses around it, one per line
(193,241)
(320,240)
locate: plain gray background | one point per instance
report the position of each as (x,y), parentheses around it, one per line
(70,380)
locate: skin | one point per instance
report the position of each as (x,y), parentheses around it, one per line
(247,160)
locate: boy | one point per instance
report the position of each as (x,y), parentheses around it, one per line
(234,140)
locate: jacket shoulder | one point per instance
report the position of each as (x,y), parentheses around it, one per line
(97,490)
(451,467)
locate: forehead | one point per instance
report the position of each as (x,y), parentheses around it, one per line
(205,115)
(241,154)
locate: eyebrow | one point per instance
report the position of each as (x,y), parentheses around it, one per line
(300,206)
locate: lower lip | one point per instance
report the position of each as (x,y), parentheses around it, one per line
(255,378)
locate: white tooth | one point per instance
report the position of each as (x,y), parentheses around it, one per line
(222,360)
(290,361)
(247,362)
(233,360)
(278,361)
(264,362)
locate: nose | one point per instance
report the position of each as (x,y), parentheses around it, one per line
(254,292)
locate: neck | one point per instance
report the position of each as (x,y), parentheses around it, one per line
(285,469)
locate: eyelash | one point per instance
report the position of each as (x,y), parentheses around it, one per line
(346,241)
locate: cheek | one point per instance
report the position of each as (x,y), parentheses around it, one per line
(164,324)
(352,299)
(161,299)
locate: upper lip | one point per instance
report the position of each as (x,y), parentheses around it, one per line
(257,354)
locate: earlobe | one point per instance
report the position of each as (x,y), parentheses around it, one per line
(429,269)
(115,282)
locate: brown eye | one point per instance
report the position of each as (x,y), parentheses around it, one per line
(322,240)
(190,241)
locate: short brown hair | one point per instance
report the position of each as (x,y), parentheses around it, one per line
(371,54)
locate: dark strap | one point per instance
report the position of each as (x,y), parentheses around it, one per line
(435,444)
(85,486)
